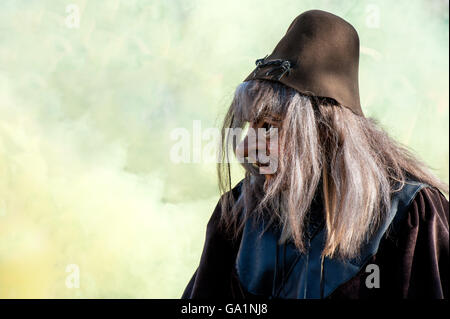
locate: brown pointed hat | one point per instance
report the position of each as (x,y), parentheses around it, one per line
(319,56)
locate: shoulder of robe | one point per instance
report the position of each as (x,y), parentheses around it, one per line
(428,206)
(427,212)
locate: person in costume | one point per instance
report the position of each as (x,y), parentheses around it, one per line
(348,212)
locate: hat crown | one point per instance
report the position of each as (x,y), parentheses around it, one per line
(322,51)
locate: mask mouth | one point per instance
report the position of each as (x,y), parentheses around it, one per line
(262,164)
(255,163)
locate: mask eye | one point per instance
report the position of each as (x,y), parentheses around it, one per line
(268,128)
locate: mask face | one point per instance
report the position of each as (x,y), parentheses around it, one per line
(260,145)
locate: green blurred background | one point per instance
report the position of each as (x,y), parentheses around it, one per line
(86,112)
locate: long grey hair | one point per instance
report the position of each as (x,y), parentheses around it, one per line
(323,147)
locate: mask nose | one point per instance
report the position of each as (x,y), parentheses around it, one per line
(251,147)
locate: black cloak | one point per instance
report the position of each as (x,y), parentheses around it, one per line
(411,254)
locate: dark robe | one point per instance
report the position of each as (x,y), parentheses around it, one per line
(411,254)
